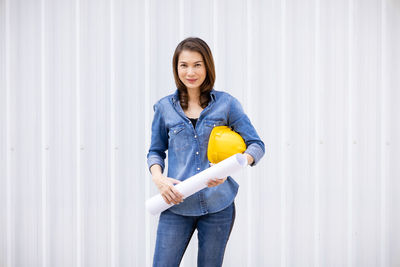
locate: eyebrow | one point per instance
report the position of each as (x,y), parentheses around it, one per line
(194,62)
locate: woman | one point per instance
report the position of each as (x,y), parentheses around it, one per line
(182,124)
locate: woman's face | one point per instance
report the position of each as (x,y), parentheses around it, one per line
(191,69)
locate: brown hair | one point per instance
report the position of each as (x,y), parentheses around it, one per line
(197,45)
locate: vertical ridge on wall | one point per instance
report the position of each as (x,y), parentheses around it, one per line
(9,223)
(282,134)
(379,94)
(349,173)
(79,228)
(113,148)
(383,190)
(315,151)
(378,139)
(3,138)
(44,136)
(382,141)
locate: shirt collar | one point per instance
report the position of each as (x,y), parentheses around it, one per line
(175,97)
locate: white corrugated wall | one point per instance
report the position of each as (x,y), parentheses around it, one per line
(320,80)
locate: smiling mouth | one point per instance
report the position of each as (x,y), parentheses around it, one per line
(192,80)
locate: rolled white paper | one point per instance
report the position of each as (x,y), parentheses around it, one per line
(227,167)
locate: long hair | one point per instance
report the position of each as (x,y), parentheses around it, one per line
(197,45)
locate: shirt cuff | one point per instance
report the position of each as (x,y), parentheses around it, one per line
(155,160)
(256,152)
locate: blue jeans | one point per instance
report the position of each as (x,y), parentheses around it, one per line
(175,231)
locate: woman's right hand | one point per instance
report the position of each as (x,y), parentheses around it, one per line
(167,189)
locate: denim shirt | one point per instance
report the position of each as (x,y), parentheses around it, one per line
(187,147)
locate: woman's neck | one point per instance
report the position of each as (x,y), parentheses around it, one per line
(193,95)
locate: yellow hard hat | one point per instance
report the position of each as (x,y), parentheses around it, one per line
(223,143)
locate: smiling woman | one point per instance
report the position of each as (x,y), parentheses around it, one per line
(182,125)
(194,71)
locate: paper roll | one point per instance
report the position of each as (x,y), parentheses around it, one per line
(225,168)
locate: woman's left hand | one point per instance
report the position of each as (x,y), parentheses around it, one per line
(218,181)
(215,181)
(250,158)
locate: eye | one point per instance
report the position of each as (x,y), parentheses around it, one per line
(198,65)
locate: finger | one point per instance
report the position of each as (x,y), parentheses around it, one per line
(212,180)
(173,197)
(166,199)
(175,191)
(211,184)
(178,194)
(221,181)
(215,182)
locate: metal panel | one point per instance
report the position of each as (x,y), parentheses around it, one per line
(390,132)
(3,138)
(60,140)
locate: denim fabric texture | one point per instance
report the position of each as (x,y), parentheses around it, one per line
(175,231)
(187,147)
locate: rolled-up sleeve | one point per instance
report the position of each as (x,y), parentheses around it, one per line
(159,139)
(240,123)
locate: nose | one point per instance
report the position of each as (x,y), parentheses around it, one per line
(190,71)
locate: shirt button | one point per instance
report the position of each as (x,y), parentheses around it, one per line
(198,169)
(195,136)
(174,131)
(214,125)
(197,152)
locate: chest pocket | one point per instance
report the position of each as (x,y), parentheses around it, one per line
(178,138)
(208,126)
